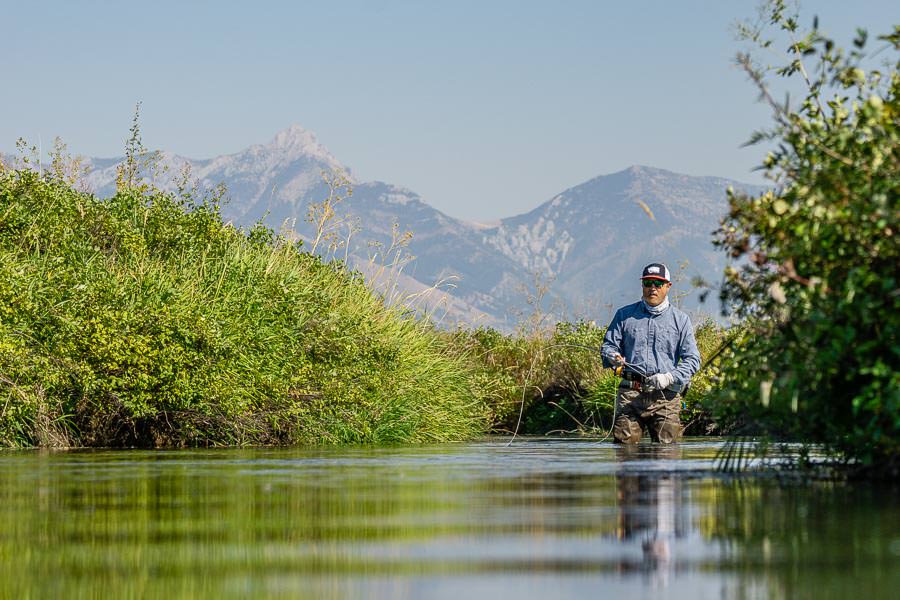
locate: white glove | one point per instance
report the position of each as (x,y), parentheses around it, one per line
(660,381)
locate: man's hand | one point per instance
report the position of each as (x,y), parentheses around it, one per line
(617,361)
(660,381)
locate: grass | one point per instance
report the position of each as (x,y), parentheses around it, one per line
(144,320)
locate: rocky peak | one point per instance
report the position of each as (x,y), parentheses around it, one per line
(296,142)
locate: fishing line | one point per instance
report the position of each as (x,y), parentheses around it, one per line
(525,386)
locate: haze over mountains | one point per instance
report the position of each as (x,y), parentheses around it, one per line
(586,245)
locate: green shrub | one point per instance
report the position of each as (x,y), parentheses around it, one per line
(817,272)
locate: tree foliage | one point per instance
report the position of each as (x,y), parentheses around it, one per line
(815,260)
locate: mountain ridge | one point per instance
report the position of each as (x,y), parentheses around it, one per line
(586,243)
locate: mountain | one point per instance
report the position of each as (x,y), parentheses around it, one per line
(594,238)
(579,253)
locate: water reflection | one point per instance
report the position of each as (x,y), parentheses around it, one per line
(543,518)
(652,508)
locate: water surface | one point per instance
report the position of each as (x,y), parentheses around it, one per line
(542,518)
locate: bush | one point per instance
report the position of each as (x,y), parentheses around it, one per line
(815,273)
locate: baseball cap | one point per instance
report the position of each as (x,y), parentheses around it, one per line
(656,271)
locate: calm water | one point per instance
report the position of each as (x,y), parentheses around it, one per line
(540,519)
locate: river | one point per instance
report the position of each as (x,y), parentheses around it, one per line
(540,518)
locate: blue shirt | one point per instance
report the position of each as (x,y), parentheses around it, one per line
(662,343)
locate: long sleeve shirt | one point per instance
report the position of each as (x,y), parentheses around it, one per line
(662,343)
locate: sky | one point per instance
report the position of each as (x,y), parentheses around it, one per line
(484,108)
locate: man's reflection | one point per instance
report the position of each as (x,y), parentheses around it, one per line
(651,505)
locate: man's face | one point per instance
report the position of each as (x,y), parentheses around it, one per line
(654,291)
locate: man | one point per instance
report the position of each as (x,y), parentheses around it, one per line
(654,344)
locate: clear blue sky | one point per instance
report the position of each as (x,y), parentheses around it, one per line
(485,108)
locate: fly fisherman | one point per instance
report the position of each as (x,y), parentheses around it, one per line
(653,344)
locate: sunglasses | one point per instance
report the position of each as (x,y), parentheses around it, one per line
(657,283)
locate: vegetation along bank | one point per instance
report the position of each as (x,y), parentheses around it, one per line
(816,279)
(144,320)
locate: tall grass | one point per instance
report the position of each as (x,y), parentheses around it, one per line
(144,320)
(543,381)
